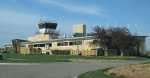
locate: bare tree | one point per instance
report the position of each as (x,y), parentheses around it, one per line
(119,38)
(101,38)
(122,39)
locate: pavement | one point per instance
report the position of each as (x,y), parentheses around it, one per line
(55,70)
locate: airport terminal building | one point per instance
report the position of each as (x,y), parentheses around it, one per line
(47,41)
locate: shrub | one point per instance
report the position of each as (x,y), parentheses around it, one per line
(1,57)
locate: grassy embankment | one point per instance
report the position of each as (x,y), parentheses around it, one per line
(128,71)
(97,74)
(37,58)
(132,71)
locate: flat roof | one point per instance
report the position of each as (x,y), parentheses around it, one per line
(64,39)
(70,39)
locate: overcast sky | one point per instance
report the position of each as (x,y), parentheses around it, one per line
(19,18)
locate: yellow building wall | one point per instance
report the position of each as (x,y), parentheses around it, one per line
(80,28)
(24,50)
(85,49)
(55,47)
(39,37)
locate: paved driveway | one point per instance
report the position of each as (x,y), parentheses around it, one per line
(55,70)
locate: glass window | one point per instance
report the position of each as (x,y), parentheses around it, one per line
(35,45)
(62,44)
(49,44)
(39,45)
(65,44)
(78,42)
(59,44)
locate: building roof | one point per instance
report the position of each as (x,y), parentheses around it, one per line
(71,39)
(64,39)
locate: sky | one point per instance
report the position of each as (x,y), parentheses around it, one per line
(19,18)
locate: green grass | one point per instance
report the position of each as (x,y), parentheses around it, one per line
(37,58)
(97,74)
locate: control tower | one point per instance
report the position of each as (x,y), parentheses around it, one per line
(47,31)
(47,27)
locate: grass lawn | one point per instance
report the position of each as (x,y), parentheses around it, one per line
(97,74)
(37,58)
